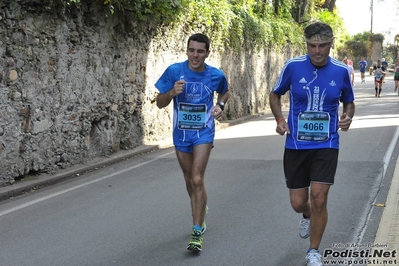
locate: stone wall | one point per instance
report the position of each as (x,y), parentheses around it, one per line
(77,84)
(376,52)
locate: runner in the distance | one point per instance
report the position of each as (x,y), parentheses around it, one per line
(362,66)
(351,71)
(384,63)
(379,73)
(396,75)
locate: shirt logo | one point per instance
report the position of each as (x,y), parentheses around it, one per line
(332,83)
(194,88)
(303,80)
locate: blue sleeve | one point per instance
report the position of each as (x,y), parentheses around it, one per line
(283,83)
(219,80)
(166,82)
(347,95)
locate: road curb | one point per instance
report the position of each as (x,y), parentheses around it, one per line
(388,229)
(27,185)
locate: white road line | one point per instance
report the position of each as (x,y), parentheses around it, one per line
(388,228)
(359,233)
(79,186)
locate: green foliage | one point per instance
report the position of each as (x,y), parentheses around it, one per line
(360,44)
(287,32)
(143,9)
(329,18)
(256,25)
(378,37)
(251,24)
(159,9)
(248,29)
(356,46)
(212,17)
(356,49)
(362,37)
(261,9)
(391,53)
(285,8)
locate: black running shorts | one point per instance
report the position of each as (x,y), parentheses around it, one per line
(301,167)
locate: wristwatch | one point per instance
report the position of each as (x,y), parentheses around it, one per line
(221,105)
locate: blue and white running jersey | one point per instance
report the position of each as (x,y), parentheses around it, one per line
(315,96)
(192,108)
(363,65)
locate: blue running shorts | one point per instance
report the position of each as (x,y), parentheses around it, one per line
(186,140)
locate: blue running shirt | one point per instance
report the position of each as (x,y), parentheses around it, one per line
(315,95)
(192,108)
(362,65)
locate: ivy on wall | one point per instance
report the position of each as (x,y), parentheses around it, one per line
(248,24)
(230,23)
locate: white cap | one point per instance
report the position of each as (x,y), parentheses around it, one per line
(383,59)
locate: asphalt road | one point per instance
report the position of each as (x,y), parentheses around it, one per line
(137,212)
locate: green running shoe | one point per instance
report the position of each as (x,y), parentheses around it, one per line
(195,243)
(203,223)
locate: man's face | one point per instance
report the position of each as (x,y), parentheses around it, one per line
(196,54)
(318,52)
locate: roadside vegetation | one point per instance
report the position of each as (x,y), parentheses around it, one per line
(245,24)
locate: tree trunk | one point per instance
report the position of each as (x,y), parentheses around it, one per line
(301,6)
(329,4)
(276,6)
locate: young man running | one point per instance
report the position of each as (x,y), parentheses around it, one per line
(317,84)
(191,85)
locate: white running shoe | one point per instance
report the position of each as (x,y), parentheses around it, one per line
(313,258)
(304,228)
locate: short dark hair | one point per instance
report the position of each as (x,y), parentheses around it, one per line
(199,37)
(319,28)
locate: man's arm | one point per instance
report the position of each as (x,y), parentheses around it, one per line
(349,109)
(217,111)
(163,99)
(223,97)
(275,105)
(346,118)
